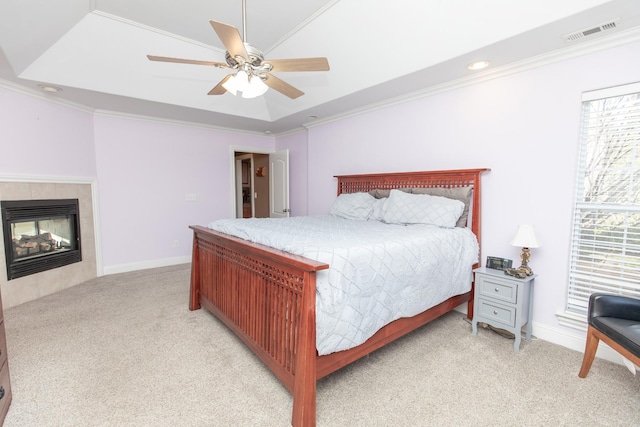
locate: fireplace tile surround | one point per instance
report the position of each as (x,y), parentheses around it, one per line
(28,288)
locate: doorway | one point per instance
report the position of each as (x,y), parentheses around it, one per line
(252,187)
(261,184)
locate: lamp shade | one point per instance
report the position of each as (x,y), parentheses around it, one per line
(251,86)
(231,85)
(255,88)
(525,237)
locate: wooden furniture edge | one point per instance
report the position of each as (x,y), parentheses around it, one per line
(594,336)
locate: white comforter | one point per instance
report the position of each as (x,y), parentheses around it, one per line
(378,272)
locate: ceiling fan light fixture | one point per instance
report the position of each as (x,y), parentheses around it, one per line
(251,69)
(238,82)
(250,85)
(231,85)
(255,88)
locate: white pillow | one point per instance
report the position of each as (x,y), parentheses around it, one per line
(353,206)
(405,208)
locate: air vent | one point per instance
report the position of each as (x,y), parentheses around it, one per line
(595,30)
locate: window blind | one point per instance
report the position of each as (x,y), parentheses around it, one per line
(605,241)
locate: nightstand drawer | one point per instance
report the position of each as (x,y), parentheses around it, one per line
(499,289)
(496,313)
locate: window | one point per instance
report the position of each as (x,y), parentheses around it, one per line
(605,242)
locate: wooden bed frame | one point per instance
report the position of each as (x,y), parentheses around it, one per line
(268,297)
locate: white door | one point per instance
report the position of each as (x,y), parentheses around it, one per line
(238,189)
(279,184)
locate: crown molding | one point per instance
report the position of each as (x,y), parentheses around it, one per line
(140,117)
(34,93)
(585,48)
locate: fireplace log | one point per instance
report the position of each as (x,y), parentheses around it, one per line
(30,245)
(27,243)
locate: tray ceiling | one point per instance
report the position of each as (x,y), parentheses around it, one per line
(95,51)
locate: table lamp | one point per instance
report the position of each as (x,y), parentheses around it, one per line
(525,238)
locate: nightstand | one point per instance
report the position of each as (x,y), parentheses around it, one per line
(503,301)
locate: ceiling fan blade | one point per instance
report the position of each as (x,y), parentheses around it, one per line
(218,89)
(283,87)
(187,61)
(231,39)
(299,64)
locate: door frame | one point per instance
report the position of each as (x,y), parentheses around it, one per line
(232,161)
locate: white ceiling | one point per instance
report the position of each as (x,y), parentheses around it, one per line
(377,50)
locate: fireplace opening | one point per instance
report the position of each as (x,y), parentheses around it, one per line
(40,235)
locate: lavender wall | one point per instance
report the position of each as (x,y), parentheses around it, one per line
(40,138)
(145,169)
(523,126)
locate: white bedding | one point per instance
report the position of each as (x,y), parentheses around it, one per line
(378,272)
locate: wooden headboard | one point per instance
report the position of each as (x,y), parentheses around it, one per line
(424,179)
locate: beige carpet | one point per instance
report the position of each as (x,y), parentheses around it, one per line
(124,350)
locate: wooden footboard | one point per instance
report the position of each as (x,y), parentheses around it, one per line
(268,297)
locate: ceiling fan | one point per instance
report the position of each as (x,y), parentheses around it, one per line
(253,72)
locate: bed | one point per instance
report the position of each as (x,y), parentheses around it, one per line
(267,296)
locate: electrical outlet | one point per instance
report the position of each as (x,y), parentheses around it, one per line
(190,197)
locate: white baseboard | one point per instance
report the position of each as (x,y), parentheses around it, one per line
(165,262)
(574,342)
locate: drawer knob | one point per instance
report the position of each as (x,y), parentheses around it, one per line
(1,392)
(495,312)
(497,290)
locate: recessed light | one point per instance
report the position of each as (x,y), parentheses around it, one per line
(479,65)
(50,89)
(268,132)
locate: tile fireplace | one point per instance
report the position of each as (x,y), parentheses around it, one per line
(40,235)
(33,286)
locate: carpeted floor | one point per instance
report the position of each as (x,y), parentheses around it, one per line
(124,350)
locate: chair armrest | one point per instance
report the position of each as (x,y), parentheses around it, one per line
(618,306)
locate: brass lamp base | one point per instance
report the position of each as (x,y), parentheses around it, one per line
(520,272)
(524,270)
